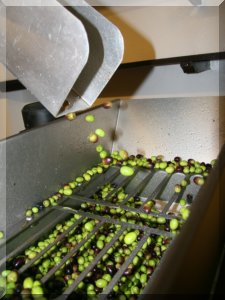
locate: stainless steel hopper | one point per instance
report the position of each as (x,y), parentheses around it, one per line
(63,53)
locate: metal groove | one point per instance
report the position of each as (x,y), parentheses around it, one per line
(117,222)
(139,188)
(71,253)
(120,272)
(95,261)
(157,190)
(101,180)
(34,237)
(59,238)
(122,184)
(169,203)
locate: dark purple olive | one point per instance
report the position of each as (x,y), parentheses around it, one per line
(107,161)
(149,270)
(87,280)
(149,160)
(139,237)
(68,269)
(111,295)
(177,159)
(98,290)
(189,198)
(147,208)
(137,198)
(139,156)
(128,271)
(18,262)
(40,205)
(18,289)
(179,169)
(191,161)
(78,231)
(208,167)
(119,163)
(111,269)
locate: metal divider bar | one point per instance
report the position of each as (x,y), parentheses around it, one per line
(113,205)
(169,203)
(95,261)
(123,183)
(34,237)
(139,188)
(60,237)
(71,253)
(120,272)
(98,182)
(117,222)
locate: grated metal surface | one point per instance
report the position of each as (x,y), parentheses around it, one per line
(146,184)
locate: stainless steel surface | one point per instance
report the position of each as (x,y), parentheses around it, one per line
(39,161)
(46,48)
(106,50)
(64,65)
(189,126)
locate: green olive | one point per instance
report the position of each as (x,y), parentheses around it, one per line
(130,238)
(28,283)
(103,154)
(90,118)
(99,148)
(126,171)
(1,235)
(174,224)
(101,283)
(37,291)
(89,226)
(12,277)
(163,165)
(100,132)
(67,192)
(170,170)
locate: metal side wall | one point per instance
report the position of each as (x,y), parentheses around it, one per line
(40,160)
